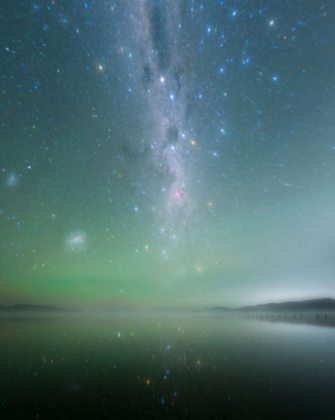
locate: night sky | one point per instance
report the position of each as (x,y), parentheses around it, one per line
(167,154)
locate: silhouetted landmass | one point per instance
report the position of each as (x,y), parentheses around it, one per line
(31,308)
(316,312)
(314,305)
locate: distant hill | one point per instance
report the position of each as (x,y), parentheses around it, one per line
(30,308)
(314,305)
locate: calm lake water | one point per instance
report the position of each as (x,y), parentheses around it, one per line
(198,366)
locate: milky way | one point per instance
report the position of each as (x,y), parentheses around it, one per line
(158,31)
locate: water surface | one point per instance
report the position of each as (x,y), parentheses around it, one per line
(163,366)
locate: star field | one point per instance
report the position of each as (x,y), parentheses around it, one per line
(174,154)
